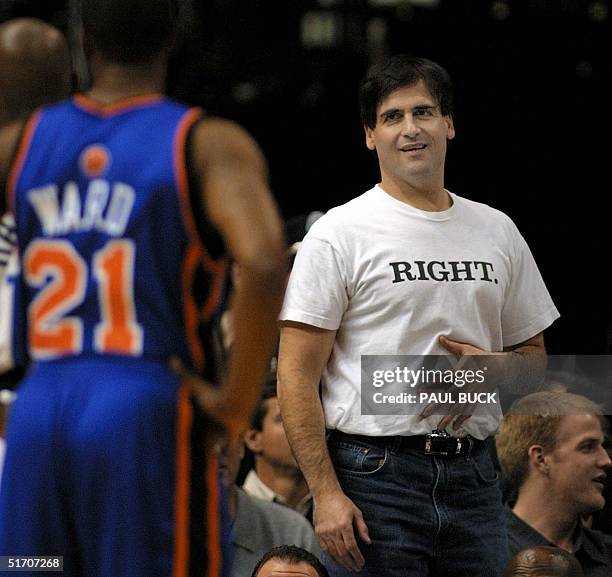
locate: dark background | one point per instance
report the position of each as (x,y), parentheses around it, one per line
(531,117)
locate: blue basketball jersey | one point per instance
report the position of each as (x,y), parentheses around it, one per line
(109,461)
(111,256)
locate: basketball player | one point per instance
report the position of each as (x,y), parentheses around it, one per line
(123,202)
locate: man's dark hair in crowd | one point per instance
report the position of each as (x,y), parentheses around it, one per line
(268,392)
(291,554)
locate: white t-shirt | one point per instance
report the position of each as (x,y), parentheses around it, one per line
(391,279)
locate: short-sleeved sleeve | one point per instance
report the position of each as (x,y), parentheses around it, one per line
(316,293)
(528,308)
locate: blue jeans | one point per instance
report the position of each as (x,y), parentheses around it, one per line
(427,515)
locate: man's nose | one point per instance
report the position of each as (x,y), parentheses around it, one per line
(410,128)
(604,460)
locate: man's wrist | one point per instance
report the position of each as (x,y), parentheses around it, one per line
(326,490)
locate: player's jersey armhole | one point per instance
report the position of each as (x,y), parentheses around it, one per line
(207,233)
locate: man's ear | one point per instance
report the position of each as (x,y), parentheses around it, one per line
(450,130)
(252,439)
(369,137)
(537,459)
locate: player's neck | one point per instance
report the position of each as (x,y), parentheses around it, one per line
(114,81)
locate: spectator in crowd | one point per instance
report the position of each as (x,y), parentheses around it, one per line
(289,561)
(258,525)
(35,65)
(593,380)
(276,475)
(551,449)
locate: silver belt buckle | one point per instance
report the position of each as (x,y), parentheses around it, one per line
(436,443)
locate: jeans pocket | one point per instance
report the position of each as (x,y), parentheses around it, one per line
(484,467)
(358,459)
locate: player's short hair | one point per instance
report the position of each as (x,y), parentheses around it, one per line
(291,554)
(535,420)
(129,31)
(399,71)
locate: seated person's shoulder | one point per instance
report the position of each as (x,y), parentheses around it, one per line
(602,541)
(274,522)
(521,535)
(269,509)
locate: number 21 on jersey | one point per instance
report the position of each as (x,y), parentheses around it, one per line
(61,273)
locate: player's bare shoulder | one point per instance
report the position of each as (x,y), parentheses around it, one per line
(219,143)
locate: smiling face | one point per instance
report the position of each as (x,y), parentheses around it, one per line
(410,139)
(578,464)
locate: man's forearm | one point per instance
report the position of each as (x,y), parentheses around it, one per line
(518,369)
(304,424)
(524,368)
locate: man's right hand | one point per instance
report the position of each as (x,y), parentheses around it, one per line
(335,518)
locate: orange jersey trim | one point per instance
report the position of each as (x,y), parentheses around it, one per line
(190,309)
(180,170)
(25,141)
(217,268)
(197,252)
(183,484)
(213,521)
(118,106)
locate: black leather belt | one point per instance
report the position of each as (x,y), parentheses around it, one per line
(435,443)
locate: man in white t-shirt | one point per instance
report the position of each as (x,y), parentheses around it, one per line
(407,268)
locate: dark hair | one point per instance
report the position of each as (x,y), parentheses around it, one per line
(398,71)
(129,31)
(268,392)
(291,554)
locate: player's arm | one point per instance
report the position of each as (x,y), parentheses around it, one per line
(232,173)
(9,134)
(303,354)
